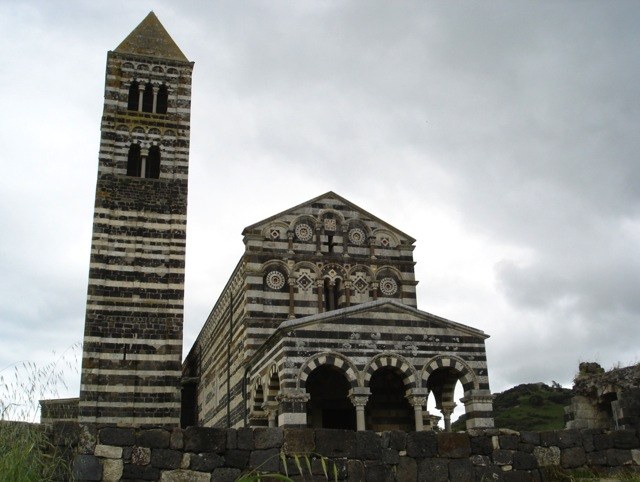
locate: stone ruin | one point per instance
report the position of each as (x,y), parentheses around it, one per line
(605,399)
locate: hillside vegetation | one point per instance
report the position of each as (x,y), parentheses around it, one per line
(532,406)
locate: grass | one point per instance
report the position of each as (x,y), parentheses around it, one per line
(26,450)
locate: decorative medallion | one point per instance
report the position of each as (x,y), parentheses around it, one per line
(330,224)
(360,284)
(356,236)
(274,233)
(384,241)
(304,281)
(304,232)
(275,280)
(388,286)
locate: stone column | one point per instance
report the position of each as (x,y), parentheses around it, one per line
(141,87)
(155,99)
(290,239)
(144,153)
(347,293)
(320,288)
(292,304)
(271,409)
(293,408)
(318,240)
(478,406)
(374,290)
(345,241)
(372,247)
(417,397)
(359,396)
(447,410)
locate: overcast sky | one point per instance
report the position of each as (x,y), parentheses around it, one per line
(503,136)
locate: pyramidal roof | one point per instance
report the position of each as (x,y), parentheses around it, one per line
(150,39)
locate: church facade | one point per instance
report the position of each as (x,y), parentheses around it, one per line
(317,326)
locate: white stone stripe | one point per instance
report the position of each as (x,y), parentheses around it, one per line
(137,269)
(130,405)
(138,372)
(120,388)
(134,309)
(135,284)
(134,341)
(135,223)
(130,299)
(120,212)
(132,356)
(130,420)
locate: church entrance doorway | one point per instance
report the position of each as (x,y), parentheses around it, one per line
(329,405)
(388,409)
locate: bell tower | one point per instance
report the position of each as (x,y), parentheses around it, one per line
(132,351)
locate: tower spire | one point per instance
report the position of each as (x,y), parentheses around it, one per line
(150,39)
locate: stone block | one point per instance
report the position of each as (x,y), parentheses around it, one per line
(454,445)
(625,439)
(205,462)
(299,440)
(267,438)
(111,470)
(617,457)
(355,469)
(117,436)
(268,459)
(422,444)
(66,434)
(205,439)
(488,473)
(108,451)
(390,457)
(635,456)
(480,460)
(549,439)
(368,445)
(176,442)
(524,461)
(433,470)
(569,438)
(245,438)
(547,456)
(597,458)
(87,439)
(407,469)
(521,476)
(603,441)
(481,445)
(140,455)
(532,438)
(394,439)
(336,443)
(375,471)
(181,475)
(232,438)
(238,459)
(86,467)
(166,458)
(140,472)
(226,474)
(155,438)
(502,457)
(461,470)
(573,457)
(509,442)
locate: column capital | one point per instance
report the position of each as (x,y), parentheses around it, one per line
(359,396)
(293,395)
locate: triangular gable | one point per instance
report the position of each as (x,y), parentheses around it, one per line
(328,195)
(150,39)
(385,305)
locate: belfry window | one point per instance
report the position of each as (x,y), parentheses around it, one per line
(134,161)
(134,96)
(162,100)
(152,169)
(332,289)
(147,98)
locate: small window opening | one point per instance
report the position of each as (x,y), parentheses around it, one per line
(134,161)
(332,294)
(147,98)
(152,167)
(163,100)
(134,96)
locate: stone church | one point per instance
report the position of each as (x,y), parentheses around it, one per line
(317,326)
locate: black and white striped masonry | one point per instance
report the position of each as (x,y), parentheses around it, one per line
(131,363)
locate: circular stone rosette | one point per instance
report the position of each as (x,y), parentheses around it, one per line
(275,280)
(388,286)
(304,232)
(356,236)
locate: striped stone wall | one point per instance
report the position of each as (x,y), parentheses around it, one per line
(131,366)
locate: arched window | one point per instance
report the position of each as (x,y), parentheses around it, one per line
(332,292)
(147,98)
(134,96)
(163,100)
(152,168)
(134,161)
